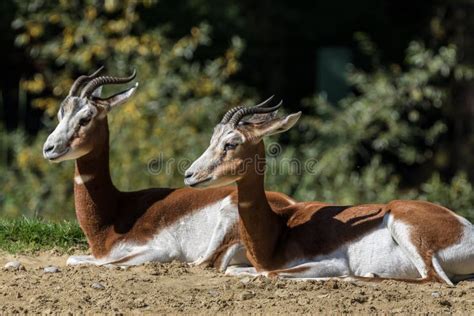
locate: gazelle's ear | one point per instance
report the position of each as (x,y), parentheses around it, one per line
(277,126)
(97,92)
(118,98)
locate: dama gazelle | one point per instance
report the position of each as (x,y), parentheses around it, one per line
(411,240)
(129,228)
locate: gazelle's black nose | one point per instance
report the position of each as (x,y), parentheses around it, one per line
(188,174)
(48,148)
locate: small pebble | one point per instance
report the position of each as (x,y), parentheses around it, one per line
(51,269)
(245,280)
(436,294)
(97,286)
(14,266)
(282,293)
(213,293)
(246,295)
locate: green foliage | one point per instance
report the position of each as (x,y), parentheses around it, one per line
(177,104)
(27,234)
(458,194)
(396,114)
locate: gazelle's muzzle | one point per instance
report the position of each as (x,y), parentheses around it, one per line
(198,174)
(55,148)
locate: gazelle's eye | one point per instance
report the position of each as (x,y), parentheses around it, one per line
(84,121)
(229,146)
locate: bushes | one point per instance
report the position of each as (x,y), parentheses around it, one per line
(369,144)
(179,99)
(365,147)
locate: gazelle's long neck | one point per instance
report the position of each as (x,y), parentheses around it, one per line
(260,227)
(94,193)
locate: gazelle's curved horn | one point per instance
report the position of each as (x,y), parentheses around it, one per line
(252,110)
(81,80)
(234,110)
(103,80)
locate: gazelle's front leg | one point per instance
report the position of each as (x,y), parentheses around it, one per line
(125,254)
(314,270)
(323,270)
(242,271)
(80,260)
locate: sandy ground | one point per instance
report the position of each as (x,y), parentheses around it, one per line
(175,287)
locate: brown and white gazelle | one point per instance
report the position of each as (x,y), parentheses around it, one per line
(410,240)
(129,228)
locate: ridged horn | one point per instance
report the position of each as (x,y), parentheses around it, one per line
(81,80)
(103,80)
(239,115)
(234,110)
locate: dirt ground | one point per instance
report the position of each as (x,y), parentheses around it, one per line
(175,287)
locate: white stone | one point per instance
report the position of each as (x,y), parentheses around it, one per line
(51,269)
(97,286)
(14,266)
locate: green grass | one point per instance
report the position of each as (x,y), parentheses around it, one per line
(30,235)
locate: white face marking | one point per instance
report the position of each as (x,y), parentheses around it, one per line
(83,178)
(245,204)
(203,168)
(75,115)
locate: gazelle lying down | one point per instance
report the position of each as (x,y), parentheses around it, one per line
(410,240)
(129,228)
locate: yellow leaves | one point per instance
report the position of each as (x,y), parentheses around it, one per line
(157,130)
(126,44)
(231,68)
(231,63)
(204,86)
(172,111)
(149,3)
(156,48)
(98,50)
(143,50)
(68,38)
(149,44)
(110,5)
(416,94)
(62,86)
(35,85)
(64,3)
(116,26)
(130,111)
(28,159)
(23,158)
(86,55)
(195,32)
(47,104)
(34,29)
(54,18)
(91,13)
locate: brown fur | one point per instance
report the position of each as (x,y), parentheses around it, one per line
(108,216)
(307,229)
(276,238)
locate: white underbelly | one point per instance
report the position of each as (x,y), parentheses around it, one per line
(191,238)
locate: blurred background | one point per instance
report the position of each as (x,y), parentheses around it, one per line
(386,89)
